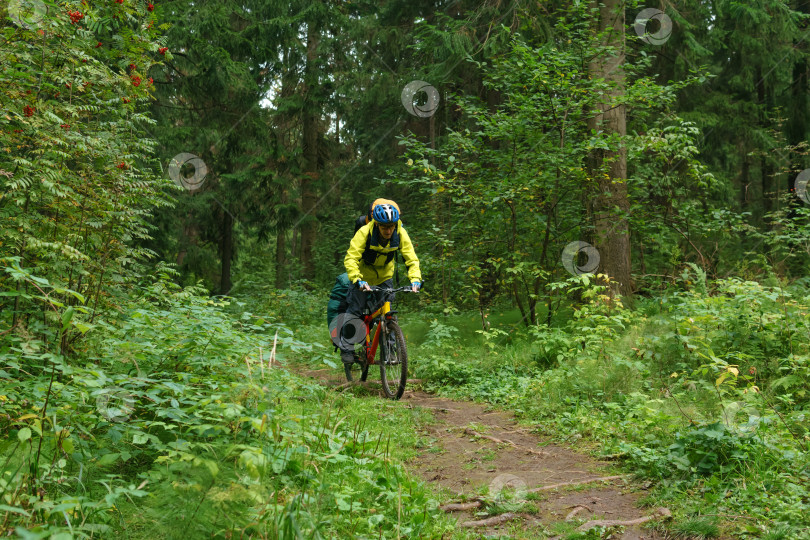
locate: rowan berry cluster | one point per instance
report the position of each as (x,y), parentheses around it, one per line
(75,16)
(150,7)
(163,50)
(29,111)
(136,80)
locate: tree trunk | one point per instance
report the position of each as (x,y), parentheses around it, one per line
(799,110)
(611,205)
(745,178)
(767,172)
(281,259)
(227,252)
(189,237)
(310,176)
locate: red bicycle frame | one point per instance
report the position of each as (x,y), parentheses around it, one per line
(373,342)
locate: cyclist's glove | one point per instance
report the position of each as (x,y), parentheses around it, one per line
(416,285)
(362,284)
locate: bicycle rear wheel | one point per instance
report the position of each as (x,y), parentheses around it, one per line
(358,370)
(393,361)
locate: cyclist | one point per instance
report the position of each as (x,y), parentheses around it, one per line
(370,260)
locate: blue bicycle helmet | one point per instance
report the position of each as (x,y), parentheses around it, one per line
(385,213)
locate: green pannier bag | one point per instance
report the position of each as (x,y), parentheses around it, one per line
(337,298)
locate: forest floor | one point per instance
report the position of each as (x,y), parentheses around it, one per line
(474,452)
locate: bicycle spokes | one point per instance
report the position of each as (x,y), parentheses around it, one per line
(393,361)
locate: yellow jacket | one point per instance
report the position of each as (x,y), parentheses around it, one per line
(369,261)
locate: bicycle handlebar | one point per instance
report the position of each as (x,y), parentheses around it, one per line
(374,288)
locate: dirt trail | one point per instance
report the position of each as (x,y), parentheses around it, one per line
(465,457)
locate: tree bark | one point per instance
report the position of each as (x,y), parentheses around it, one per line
(611,205)
(281,259)
(226,252)
(767,172)
(799,110)
(189,237)
(310,129)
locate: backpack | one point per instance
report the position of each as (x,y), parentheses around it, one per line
(337,298)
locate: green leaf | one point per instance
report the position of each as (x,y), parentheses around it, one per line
(24,434)
(67,445)
(82,327)
(14,509)
(66,317)
(107,459)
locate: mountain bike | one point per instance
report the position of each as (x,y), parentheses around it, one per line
(383,332)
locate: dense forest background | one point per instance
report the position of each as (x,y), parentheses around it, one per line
(298,115)
(178,185)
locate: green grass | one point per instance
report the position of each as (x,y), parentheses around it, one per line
(697,528)
(652,386)
(207,447)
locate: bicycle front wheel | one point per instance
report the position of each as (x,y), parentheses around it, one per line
(393,361)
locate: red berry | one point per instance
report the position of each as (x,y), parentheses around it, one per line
(29,111)
(99,45)
(119,1)
(136,80)
(150,7)
(163,50)
(151,81)
(125,100)
(75,16)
